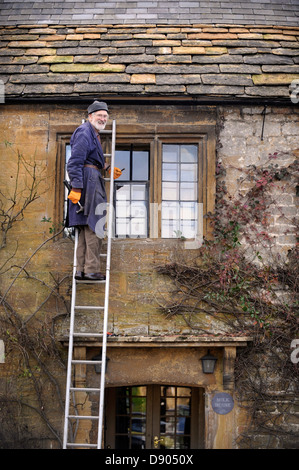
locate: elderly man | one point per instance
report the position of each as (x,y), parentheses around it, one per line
(88,187)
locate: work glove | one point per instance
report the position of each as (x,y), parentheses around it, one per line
(75,195)
(116,174)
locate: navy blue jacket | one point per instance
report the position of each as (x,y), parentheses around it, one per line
(87,150)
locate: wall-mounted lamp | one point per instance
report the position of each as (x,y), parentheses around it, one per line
(208,363)
(98,363)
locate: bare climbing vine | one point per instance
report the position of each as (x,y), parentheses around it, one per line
(33,355)
(240,284)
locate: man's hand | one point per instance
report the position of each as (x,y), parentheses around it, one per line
(75,195)
(116,174)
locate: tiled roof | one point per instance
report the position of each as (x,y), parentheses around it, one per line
(270,12)
(244,61)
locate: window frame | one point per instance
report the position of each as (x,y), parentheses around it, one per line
(154,136)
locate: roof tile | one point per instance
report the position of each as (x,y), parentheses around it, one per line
(139,59)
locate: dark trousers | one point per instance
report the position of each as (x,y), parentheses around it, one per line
(88,251)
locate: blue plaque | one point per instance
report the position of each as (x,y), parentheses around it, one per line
(222,403)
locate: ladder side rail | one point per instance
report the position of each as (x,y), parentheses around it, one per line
(106,305)
(70,351)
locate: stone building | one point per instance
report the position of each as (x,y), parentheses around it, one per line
(189,84)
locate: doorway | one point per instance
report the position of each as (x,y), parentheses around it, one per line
(154,417)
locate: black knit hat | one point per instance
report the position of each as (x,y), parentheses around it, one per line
(97,106)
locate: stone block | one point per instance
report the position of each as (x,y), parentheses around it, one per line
(131,50)
(274,79)
(213,36)
(53,37)
(158,50)
(49,78)
(165,89)
(240,68)
(171,59)
(90,59)
(189,50)
(281,68)
(218,59)
(143,78)
(245,43)
(55,59)
(166,42)
(178,79)
(41,52)
(48,89)
(86,68)
(172,69)
(36,68)
(216,50)
(78,51)
(215,90)
(227,79)
(10,68)
(109,78)
(267,91)
(284,51)
(74,37)
(279,37)
(27,44)
(12,52)
(108,88)
(128,59)
(268,59)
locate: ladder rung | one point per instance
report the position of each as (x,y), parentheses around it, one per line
(103,254)
(82,417)
(88,335)
(84,361)
(86,281)
(86,389)
(107,155)
(89,307)
(73,444)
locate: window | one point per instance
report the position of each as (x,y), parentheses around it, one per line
(132,193)
(154,416)
(179,190)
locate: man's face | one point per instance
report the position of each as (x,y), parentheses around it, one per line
(98,119)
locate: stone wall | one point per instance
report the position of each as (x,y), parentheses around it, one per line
(136,288)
